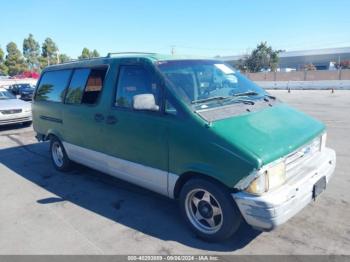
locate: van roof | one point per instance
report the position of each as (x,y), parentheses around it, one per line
(121,55)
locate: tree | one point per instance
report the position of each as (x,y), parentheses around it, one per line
(86,54)
(43,62)
(63,58)
(242,64)
(95,53)
(49,51)
(31,51)
(2,55)
(14,60)
(3,67)
(263,57)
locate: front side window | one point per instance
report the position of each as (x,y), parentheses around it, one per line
(205,83)
(133,82)
(53,85)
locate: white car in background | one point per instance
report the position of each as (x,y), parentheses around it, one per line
(13,110)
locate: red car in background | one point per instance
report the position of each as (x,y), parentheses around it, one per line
(27,74)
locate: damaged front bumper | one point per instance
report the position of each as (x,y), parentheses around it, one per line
(267,211)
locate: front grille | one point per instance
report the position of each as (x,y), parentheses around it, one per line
(297,158)
(11,111)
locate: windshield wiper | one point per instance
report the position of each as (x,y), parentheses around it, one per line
(270,96)
(239,100)
(198,101)
(244,101)
(249,93)
(252,93)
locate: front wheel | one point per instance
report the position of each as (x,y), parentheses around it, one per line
(209,210)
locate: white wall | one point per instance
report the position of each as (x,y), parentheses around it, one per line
(324,84)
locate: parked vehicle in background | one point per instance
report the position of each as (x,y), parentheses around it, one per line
(26,94)
(193,130)
(17,77)
(31,74)
(13,110)
(16,89)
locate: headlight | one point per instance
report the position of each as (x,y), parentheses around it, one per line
(258,185)
(276,175)
(323,141)
(268,179)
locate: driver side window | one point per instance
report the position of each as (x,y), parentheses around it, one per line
(134,81)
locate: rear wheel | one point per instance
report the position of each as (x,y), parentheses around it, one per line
(59,156)
(209,210)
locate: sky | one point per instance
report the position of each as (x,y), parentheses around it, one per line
(190,27)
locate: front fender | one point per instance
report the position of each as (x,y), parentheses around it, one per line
(216,162)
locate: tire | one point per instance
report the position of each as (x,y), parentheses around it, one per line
(214,220)
(27,124)
(59,157)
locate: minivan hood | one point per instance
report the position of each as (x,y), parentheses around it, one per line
(270,133)
(8,104)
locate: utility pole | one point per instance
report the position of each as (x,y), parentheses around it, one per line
(172,50)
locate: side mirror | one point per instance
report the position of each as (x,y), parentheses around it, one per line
(144,102)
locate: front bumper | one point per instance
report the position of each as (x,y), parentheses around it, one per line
(273,208)
(15,118)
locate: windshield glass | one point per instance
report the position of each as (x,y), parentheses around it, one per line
(208,83)
(6,95)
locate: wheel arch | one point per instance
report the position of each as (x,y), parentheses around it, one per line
(51,133)
(185,177)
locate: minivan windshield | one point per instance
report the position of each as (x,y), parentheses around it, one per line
(209,83)
(4,95)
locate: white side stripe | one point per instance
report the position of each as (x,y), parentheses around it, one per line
(144,176)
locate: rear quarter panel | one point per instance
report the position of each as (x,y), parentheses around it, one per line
(48,118)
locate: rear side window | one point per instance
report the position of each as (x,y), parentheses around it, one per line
(77,85)
(94,86)
(53,85)
(86,86)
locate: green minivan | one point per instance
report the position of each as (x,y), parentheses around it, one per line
(194,130)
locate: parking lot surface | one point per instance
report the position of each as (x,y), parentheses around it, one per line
(43,211)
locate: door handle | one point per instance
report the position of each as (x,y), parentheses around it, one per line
(111,120)
(99,117)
